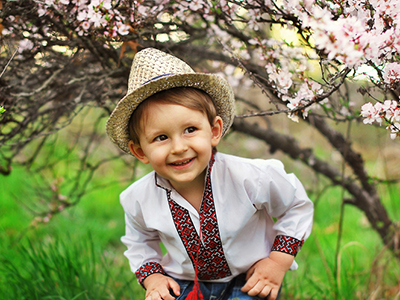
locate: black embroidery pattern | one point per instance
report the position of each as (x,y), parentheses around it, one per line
(148,269)
(211,261)
(287,244)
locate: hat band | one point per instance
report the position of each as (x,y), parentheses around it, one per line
(159,76)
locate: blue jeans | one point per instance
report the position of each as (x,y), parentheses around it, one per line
(218,291)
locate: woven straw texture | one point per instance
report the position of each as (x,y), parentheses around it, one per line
(154,71)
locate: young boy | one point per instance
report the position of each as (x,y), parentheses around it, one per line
(212,212)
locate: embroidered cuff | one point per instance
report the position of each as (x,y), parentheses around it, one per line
(148,269)
(287,244)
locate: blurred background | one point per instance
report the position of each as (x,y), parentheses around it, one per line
(310,92)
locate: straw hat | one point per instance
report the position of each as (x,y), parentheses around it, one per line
(154,71)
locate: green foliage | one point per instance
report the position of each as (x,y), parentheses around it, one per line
(363,268)
(62,268)
(75,255)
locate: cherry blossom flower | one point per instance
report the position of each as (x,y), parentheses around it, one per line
(348,33)
(25,44)
(394,130)
(391,73)
(368,112)
(391,110)
(388,112)
(196,5)
(82,15)
(123,29)
(85,25)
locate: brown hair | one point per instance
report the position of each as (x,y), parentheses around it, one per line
(186,96)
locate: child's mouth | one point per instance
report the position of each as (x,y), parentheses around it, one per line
(181,163)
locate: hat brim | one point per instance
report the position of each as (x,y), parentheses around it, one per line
(215,86)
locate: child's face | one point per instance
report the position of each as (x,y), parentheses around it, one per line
(177,142)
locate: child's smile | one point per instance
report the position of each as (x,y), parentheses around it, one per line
(183,163)
(177,142)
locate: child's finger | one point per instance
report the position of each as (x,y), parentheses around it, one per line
(174,287)
(250,283)
(153,296)
(250,272)
(265,292)
(166,295)
(257,289)
(274,294)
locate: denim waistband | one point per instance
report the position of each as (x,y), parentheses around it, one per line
(218,290)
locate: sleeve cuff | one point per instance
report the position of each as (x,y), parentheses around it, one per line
(287,244)
(148,269)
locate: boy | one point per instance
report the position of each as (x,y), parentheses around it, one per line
(213,212)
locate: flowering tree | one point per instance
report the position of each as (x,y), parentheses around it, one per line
(61,58)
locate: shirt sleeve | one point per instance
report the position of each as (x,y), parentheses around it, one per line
(284,198)
(144,251)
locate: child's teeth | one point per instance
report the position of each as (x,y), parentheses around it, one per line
(183,162)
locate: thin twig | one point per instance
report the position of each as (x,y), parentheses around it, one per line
(341,220)
(41,88)
(9,61)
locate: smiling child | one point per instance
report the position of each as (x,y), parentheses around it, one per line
(231,226)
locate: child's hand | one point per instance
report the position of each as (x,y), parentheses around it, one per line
(158,287)
(266,275)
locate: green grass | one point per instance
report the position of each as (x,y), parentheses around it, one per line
(62,268)
(76,255)
(364,268)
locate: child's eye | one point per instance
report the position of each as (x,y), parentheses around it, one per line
(160,138)
(190,129)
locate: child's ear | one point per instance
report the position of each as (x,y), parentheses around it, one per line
(137,151)
(216,131)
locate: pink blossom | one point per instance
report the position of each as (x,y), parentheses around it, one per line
(388,111)
(97,19)
(107,4)
(391,110)
(85,25)
(143,10)
(368,111)
(350,35)
(196,5)
(82,15)
(25,45)
(95,3)
(391,73)
(41,11)
(123,29)
(394,130)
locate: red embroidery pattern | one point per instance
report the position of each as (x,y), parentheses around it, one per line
(211,261)
(148,269)
(287,244)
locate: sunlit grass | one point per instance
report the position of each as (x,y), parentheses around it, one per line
(76,255)
(62,268)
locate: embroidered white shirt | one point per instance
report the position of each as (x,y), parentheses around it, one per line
(252,203)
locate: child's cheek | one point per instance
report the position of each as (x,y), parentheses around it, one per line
(158,155)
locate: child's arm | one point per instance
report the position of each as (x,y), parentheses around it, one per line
(284,198)
(266,275)
(158,286)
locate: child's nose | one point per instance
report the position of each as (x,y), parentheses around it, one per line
(178,146)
